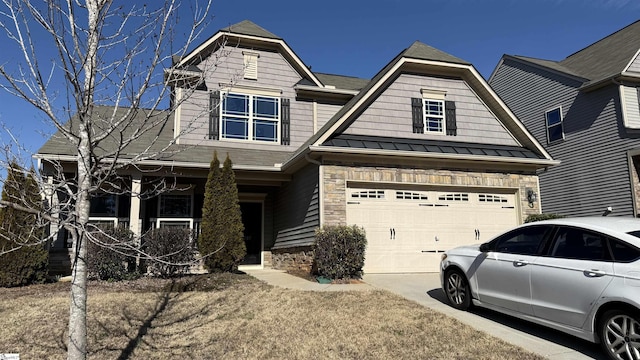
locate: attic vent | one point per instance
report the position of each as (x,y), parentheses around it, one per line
(250,65)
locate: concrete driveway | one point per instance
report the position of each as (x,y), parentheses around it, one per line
(425,290)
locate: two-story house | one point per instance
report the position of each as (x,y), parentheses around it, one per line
(585,111)
(425,156)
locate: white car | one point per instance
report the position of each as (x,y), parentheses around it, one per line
(577,275)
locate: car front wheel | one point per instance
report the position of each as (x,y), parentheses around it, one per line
(620,335)
(456,287)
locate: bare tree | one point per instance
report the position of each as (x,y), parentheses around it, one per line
(102,91)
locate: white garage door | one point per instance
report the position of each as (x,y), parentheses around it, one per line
(407,230)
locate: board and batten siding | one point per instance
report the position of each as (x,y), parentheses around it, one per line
(297,210)
(390,113)
(274,73)
(594,170)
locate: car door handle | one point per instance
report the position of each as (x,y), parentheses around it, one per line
(594,273)
(520,263)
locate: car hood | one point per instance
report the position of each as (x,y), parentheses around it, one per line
(465,250)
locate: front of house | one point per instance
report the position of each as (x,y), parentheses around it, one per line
(425,156)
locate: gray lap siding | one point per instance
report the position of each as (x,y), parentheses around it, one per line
(274,72)
(594,170)
(390,113)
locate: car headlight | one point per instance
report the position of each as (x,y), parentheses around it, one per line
(443,257)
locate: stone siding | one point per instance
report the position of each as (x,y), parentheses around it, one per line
(293,259)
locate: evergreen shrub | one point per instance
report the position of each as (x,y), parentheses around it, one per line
(339,251)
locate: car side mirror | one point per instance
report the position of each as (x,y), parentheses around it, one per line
(485,247)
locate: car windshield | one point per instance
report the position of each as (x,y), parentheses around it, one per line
(635,233)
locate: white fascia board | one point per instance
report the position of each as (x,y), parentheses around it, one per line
(633,58)
(439,156)
(279,42)
(325,90)
(165,163)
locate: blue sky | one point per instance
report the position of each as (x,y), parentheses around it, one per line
(358,38)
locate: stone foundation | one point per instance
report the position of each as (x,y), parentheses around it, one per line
(293,259)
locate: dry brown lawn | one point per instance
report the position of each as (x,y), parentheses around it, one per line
(237,317)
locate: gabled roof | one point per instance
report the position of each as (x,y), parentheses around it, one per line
(606,57)
(420,57)
(601,61)
(250,33)
(247,27)
(419,50)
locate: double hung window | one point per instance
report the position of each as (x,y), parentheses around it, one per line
(250,117)
(434,116)
(555,130)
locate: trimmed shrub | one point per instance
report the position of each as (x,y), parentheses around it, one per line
(21,233)
(109,254)
(339,251)
(540,217)
(221,240)
(171,251)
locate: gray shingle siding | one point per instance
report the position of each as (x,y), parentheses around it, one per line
(297,210)
(390,113)
(274,72)
(594,172)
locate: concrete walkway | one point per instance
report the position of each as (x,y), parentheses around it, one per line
(425,290)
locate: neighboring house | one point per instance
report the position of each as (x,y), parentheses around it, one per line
(585,111)
(424,156)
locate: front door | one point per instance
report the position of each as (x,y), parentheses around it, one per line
(252,221)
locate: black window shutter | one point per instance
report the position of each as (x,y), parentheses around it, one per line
(450,114)
(638,91)
(285,122)
(214,114)
(418,115)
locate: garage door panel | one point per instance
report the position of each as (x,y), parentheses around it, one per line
(407,231)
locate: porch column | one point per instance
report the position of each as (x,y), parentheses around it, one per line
(134,211)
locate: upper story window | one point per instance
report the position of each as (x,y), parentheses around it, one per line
(432,114)
(250,117)
(555,129)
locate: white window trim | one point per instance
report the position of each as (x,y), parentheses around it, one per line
(561,123)
(104,219)
(184,220)
(438,96)
(443,117)
(251,117)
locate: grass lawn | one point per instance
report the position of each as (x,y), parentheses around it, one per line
(237,317)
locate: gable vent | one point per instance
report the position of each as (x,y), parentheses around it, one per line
(250,65)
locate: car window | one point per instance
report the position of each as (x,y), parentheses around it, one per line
(574,243)
(524,241)
(623,252)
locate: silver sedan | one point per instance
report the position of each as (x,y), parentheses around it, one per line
(577,275)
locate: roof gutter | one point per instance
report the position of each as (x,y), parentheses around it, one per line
(325,90)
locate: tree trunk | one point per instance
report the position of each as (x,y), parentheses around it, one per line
(78,310)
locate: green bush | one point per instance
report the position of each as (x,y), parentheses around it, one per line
(540,217)
(171,251)
(221,240)
(23,256)
(110,254)
(339,251)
